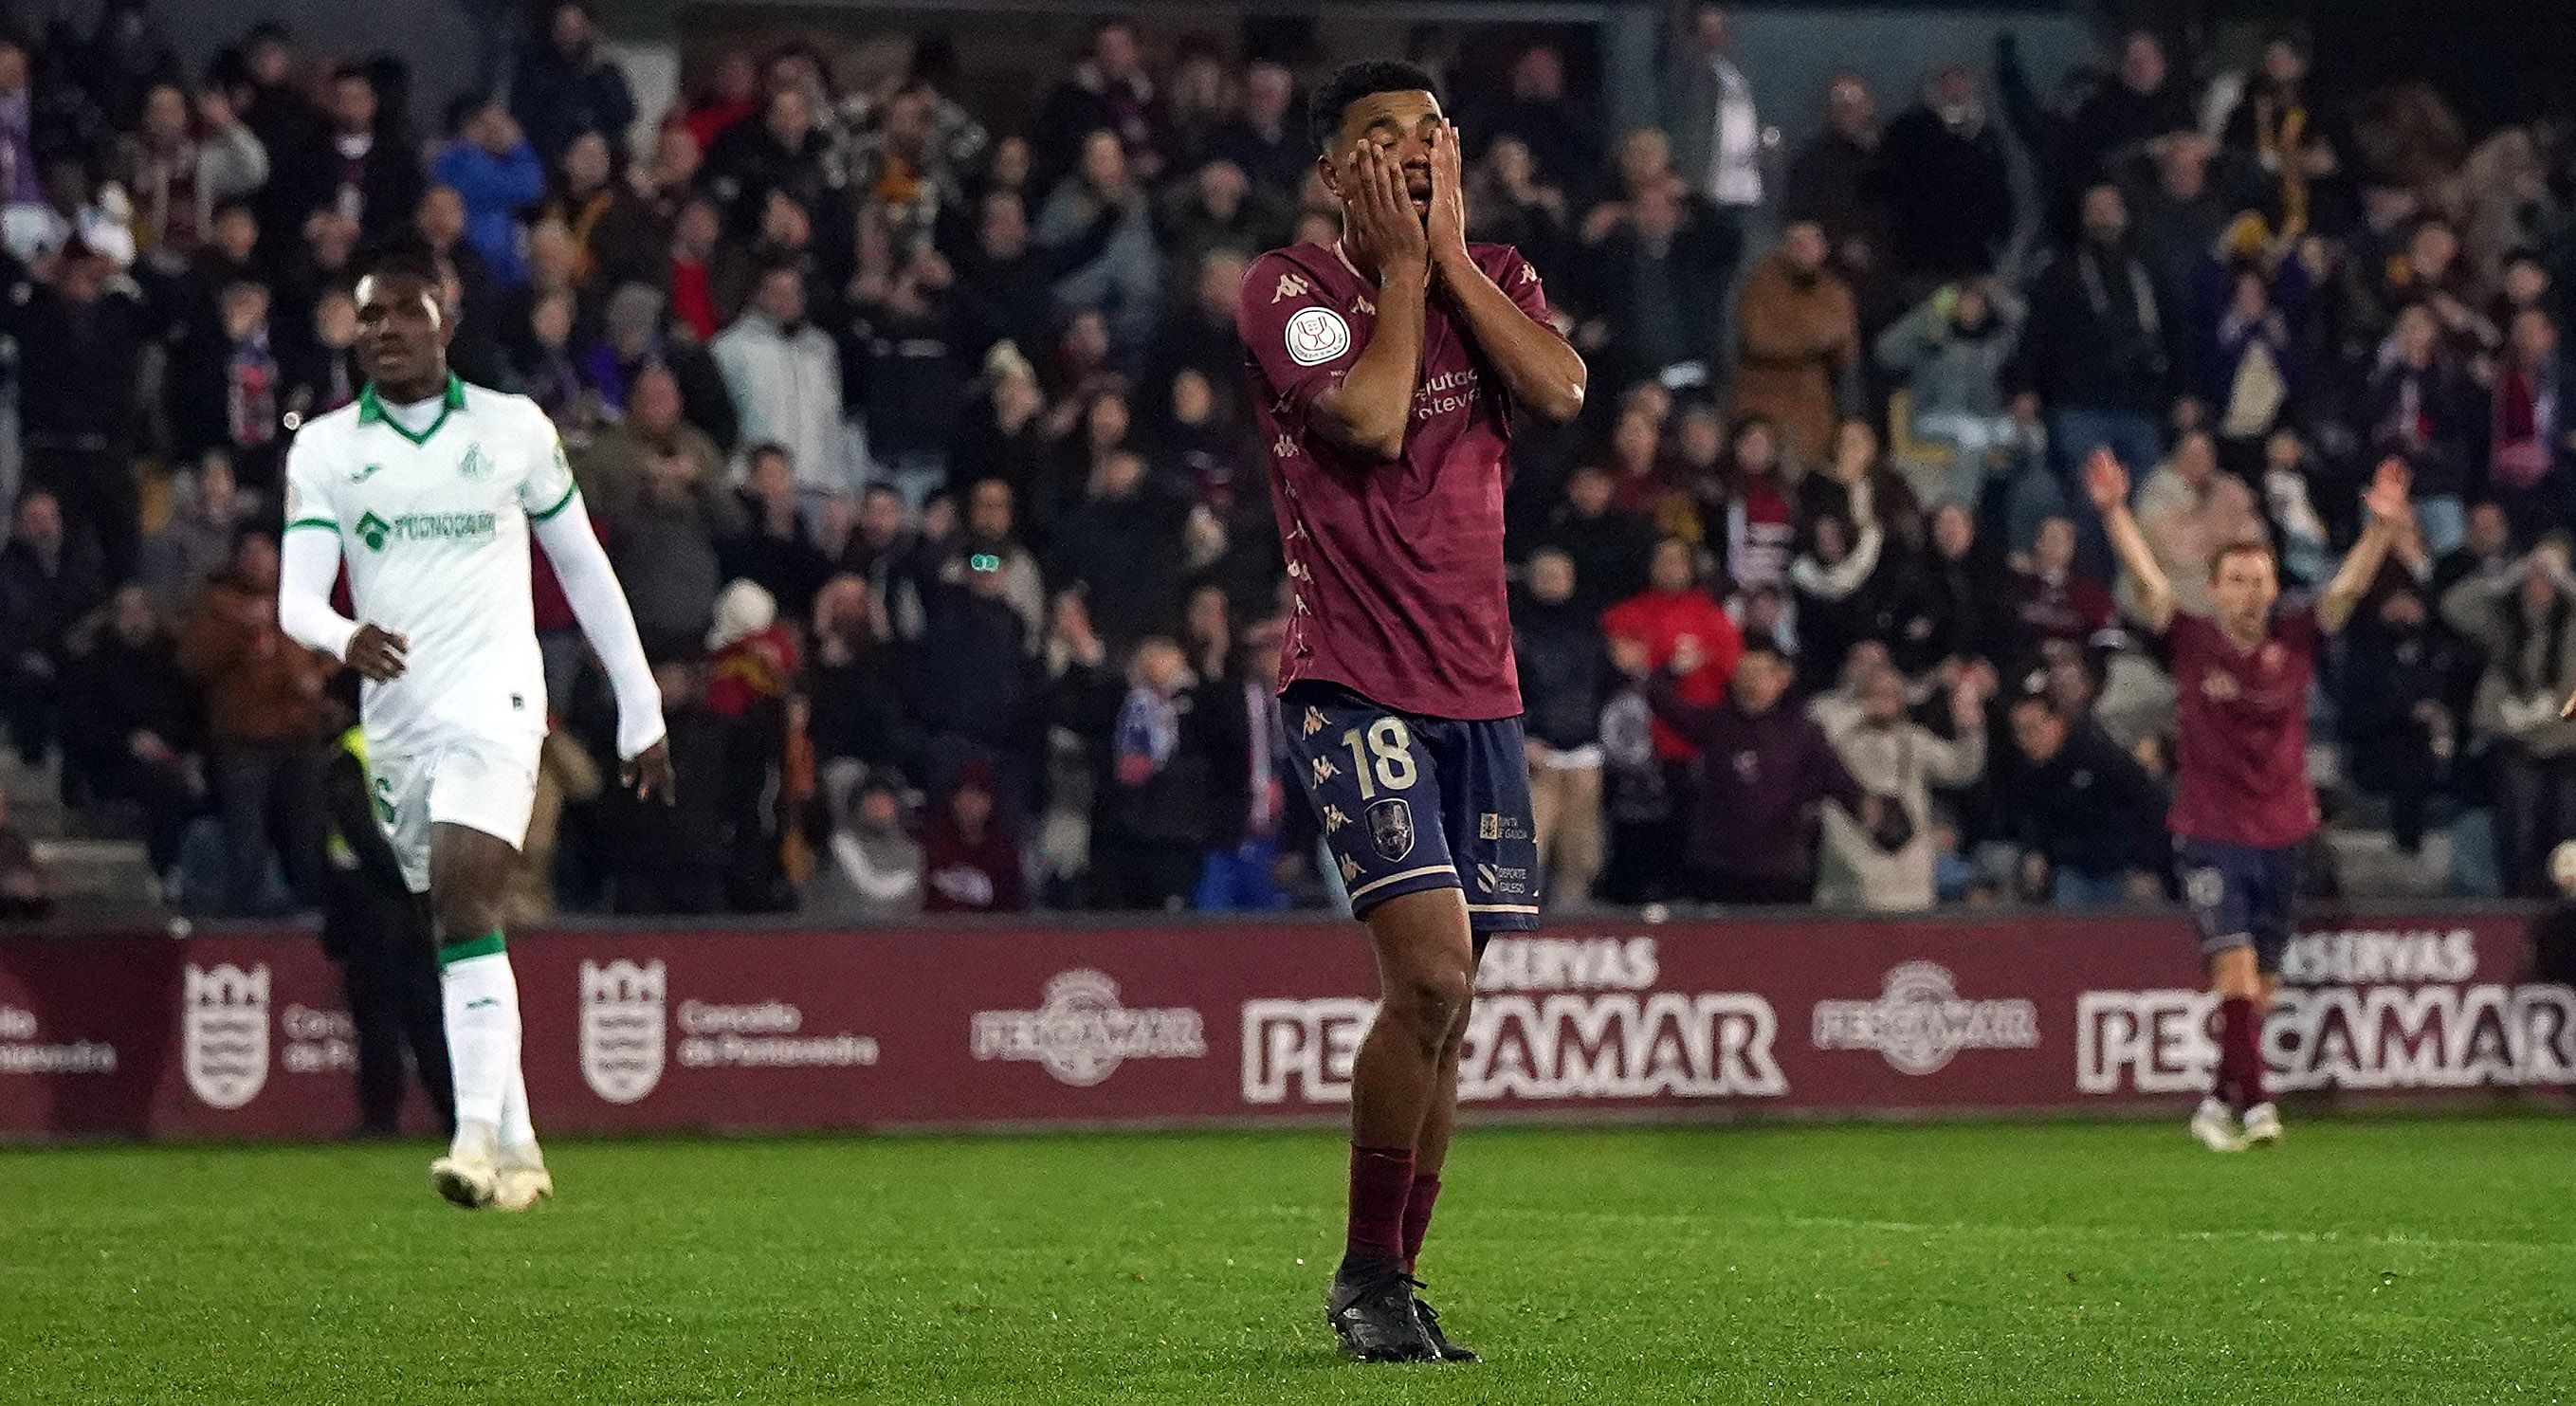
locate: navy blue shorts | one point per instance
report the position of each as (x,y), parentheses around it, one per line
(2240,896)
(1410,803)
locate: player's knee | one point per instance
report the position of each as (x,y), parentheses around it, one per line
(1432,1001)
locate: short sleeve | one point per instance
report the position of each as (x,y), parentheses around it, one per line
(308,486)
(1300,344)
(1520,281)
(548,486)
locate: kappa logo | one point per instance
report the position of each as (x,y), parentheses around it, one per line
(225,1032)
(373,531)
(1324,770)
(1286,448)
(1390,827)
(1081,1033)
(1350,869)
(476,465)
(1317,335)
(1334,819)
(1291,286)
(1920,1024)
(1314,722)
(621,1027)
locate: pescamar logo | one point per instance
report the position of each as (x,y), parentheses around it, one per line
(621,1027)
(1082,1034)
(1919,1023)
(224,1032)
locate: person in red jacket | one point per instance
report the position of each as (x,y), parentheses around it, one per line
(1671,610)
(970,862)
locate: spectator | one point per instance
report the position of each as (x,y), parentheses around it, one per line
(1756,816)
(616,236)
(663,544)
(909,353)
(1265,140)
(498,175)
(1949,191)
(1658,266)
(564,87)
(2394,708)
(1609,549)
(2420,408)
(196,539)
(1949,354)
(20,183)
(731,94)
(619,461)
(970,862)
(1798,331)
(1537,111)
(48,581)
(785,377)
(2050,599)
(1109,91)
(263,716)
(1956,608)
(887,551)
(991,530)
(224,385)
(2532,438)
(1124,282)
(225,254)
(1248,810)
(1891,756)
(77,401)
(178,166)
(2087,818)
(2189,511)
(547,369)
(319,370)
(1116,549)
(1566,680)
(974,690)
(1508,204)
(2289,138)
(632,342)
(2523,619)
(871,867)
(1844,584)
(372,174)
(783,154)
(1634,460)
(2096,346)
(1856,484)
(771,548)
(689,272)
(1755,526)
(2255,369)
(2145,103)
(855,682)
(1151,829)
(1837,182)
(1674,618)
(752,663)
(2178,219)
(667,857)
(1008,282)
(1003,435)
(74,211)
(1717,131)
(486,311)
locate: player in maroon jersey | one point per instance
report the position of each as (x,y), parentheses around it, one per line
(1386,366)
(2242,803)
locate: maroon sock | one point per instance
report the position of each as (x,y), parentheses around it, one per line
(2240,1033)
(2222,1085)
(1381,1183)
(1417,1216)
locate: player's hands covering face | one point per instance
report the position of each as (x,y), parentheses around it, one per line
(1386,235)
(1447,224)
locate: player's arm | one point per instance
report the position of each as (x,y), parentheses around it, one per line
(1540,369)
(308,562)
(2108,483)
(2386,503)
(1370,410)
(599,604)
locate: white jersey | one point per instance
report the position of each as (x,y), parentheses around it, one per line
(434,528)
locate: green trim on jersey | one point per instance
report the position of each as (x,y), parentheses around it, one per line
(560,504)
(313,522)
(371,410)
(451,953)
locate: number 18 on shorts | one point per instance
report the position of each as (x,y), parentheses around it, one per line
(1411,803)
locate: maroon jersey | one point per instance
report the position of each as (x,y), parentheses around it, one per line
(1396,569)
(2242,759)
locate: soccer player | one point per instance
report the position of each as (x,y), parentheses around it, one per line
(2242,803)
(430,490)
(1386,366)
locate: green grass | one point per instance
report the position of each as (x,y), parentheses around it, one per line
(2383,1261)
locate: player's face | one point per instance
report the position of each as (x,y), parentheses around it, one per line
(402,331)
(1399,124)
(2245,588)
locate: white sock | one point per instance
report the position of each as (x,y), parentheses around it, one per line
(481,997)
(518,1132)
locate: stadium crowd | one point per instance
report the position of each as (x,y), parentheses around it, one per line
(918,442)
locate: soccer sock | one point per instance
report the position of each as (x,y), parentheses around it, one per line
(2240,1035)
(518,1130)
(482,1006)
(1381,1184)
(1417,1216)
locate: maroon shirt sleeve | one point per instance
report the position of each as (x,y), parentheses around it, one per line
(1300,345)
(1516,278)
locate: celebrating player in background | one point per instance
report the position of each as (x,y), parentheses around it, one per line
(430,489)
(1385,367)
(2242,803)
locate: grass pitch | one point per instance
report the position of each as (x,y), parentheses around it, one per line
(2378,1261)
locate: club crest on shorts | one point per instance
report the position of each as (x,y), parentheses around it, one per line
(621,1027)
(1317,335)
(225,1032)
(1390,827)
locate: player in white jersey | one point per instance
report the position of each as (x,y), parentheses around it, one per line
(430,490)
